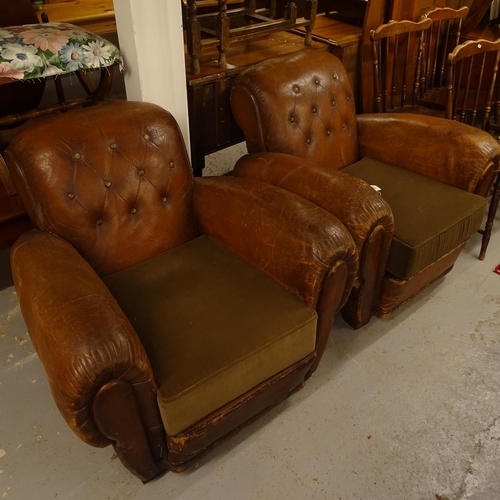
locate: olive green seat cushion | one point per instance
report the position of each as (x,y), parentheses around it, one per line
(430,218)
(213,327)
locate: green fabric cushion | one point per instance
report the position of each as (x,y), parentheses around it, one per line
(430,218)
(213,327)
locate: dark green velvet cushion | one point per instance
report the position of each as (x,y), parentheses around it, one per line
(430,218)
(213,327)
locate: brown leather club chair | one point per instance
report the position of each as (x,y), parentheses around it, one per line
(299,119)
(166,311)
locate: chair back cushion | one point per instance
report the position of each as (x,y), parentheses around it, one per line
(300,104)
(112,179)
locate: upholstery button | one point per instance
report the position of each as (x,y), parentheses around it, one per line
(172,164)
(134,210)
(107,184)
(164,199)
(308,141)
(348,99)
(99,222)
(77,156)
(141,172)
(292,119)
(71,196)
(328,132)
(146,137)
(333,103)
(296,89)
(335,77)
(344,126)
(314,110)
(113,146)
(317,82)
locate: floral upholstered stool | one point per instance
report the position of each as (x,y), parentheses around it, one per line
(35,51)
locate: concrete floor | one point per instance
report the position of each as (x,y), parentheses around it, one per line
(405,408)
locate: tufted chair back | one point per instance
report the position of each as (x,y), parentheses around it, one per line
(118,195)
(311,116)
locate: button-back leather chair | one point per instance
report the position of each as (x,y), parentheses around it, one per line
(167,312)
(301,128)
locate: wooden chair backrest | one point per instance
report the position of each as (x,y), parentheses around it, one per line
(440,39)
(471,81)
(397,55)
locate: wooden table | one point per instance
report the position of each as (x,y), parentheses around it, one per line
(96,16)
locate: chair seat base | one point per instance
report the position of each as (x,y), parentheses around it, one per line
(396,292)
(188,447)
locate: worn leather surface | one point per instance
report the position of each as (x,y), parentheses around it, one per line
(300,104)
(113,182)
(212,430)
(106,188)
(444,150)
(287,238)
(350,199)
(79,332)
(396,292)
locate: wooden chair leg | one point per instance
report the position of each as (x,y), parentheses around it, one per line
(193,37)
(312,9)
(291,11)
(492,211)
(223,32)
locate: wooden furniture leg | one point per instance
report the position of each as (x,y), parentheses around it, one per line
(223,32)
(492,211)
(291,11)
(311,10)
(194,37)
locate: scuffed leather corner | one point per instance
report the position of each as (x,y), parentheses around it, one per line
(79,332)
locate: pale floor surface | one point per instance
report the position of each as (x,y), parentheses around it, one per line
(406,408)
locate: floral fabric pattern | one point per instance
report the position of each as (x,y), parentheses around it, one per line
(40,50)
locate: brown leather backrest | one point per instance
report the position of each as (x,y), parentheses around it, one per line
(301,104)
(112,179)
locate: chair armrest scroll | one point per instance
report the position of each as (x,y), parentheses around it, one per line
(81,335)
(444,150)
(350,199)
(289,239)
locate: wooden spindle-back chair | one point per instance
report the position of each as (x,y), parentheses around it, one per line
(397,56)
(471,81)
(441,38)
(472,76)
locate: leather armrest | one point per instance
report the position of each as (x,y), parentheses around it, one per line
(79,332)
(444,150)
(350,199)
(291,240)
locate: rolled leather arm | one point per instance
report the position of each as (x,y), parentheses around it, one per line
(444,150)
(79,332)
(289,239)
(350,199)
